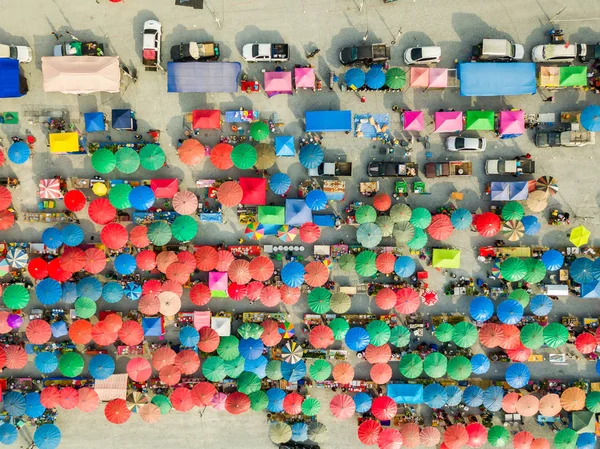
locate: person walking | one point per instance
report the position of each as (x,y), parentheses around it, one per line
(56,35)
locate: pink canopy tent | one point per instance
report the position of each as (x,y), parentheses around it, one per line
(512,122)
(278,83)
(438,78)
(304,77)
(217,282)
(448,122)
(413,121)
(419,77)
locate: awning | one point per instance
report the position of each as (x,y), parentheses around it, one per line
(485,79)
(153,327)
(278,83)
(273,215)
(64,143)
(255,191)
(304,77)
(203,76)
(446,258)
(222,326)
(480,121)
(406,393)
(81,74)
(164,188)
(217,283)
(206,119)
(328,121)
(297,212)
(448,122)
(284,146)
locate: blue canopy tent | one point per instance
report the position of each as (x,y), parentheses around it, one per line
(328,121)
(94,122)
(203,76)
(10,79)
(519,191)
(590,290)
(509,191)
(284,146)
(124,119)
(495,79)
(153,327)
(500,191)
(297,212)
(406,393)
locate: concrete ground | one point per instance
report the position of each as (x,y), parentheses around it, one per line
(307,24)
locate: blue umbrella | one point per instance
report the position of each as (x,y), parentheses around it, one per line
(59,329)
(473,396)
(14,403)
(510,311)
(47,436)
(8,434)
(258,366)
(101,366)
(292,274)
(355,78)
(586,440)
(581,270)
(251,348)
(596,269)
(141,197)
(19,153)
(480,364)
(540,305)
(455,395)
(311,155)
(189,336)
(69,292)
(316,200)
(598,367)
(112,292)
(517,375)
(532,224)
(52,238)
(299,431)
(124,264)
(405,266)
(590,118)
(280,183)
(375,78)
(48,291)
(72,235)
(363,402)
(17,257)
(34,408)
(435,396)
(46,362)
(481,308)
(553,260)
(357,339)
(276,397)
(90,287)
(461,219)
(133,291)
(492,398)
(293,372)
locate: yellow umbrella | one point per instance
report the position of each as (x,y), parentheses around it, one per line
(579,236)
(99,189)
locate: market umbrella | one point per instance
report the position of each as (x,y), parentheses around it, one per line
(411,366)
(407,301)
(590,118)
(513,269)
(311,407)
(420,218)
(228,348)
(38,331)
(517,375)
(316,200)
(192,151)
(430,436)
(162,357)
(418,241)
(572,399)
(104,160)
(343,373)
(473,396)
(520,295)
(512,211)
(101,211)
(536,270)
(581,270)
(243,156)
(139,236)
(265,156)
(287,233)
(15,403)
(579,236)
(444,332)
(528,405)
(213,369)
(365,214)
(592,401)
(379,332)
(118,196)
(403,232)
(280,432)
(259,130)
(321,337)
(537,201)
(48,292)
(139,369)
(286,329)
(435,365)
(181,399)
(522,440)
(237,403)
(47,436)
(70,364)
(202,394)
(152,157)
(149,413)
(34,409)
(340,328)
(411,437)
(384,408)
(270,335)
(127,160)
(511,337)
(492,398)
(184,228)
(487,224)
(52,238)
(461,219)
(124,264)
(364,263)
(381,373)
(435,396)
(455,395)
(513,230)
(385,298)
(368,432)
(7,219)
(386,224)
(586,440)
(565,439)
(309,232)
(531,224)
(46,362)
(248,382)
(550,405)
(456,436)
(159,233)
(72,235)
(477,435)
(441,227)
(382,201)
(319,300)
(405,266)
(186,202)
(292,403)
(273,370)
(510,311)
(117,412)
(519,354)
(311,155)
(498,436)
(250,348)
(459,368)
(239,271)
(163,403)
(357,339)
(481,308)
(220,156)
(355,78)
(347,262)
(378,354)
(586,343)
(555,335)
(553,260)
(316,273)
(8,434)
(142,197)
(395,78)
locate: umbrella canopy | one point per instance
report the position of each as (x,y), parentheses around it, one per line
(517,375)
(70,364)
(536,270)
(455,395)
(381,373)
(456,436)
(527,405)
(184,228)
(319,300)
(100,212)
(410,435)
(444,332)
(368,432)
(435,365)
(357,339)
(555,335)
(385,298)
(582,270)
(8,434)
(459,368)
(280,183)
(320,370)
(141,197)
(46,362)
(355,78)
(152,157)
(292,274)
(513,230)
(119,196)
(481,308)
(395,78)
(540,305)
(492,398)
(531,224)
(441,227)
(473,396)
(513,269)
(403,232)
(292,403)
(498,436)
(364,263)
(590,118)
(512,211)
(379,332)
(220,156)
(38,331)
(430,436)
(477,435)
(321,337)
(411,366)
(316,200)
(553,260)
(127,160)
(435,396)
(159,233)
(480,364)
(244,156)
(405,266)
(384,408)
(565,439)
(488,224)
(510,311)
(47,436)
(311,156)
(259,131)
(461,219)
(101,366)
(464,334)
(579,236)
(192,151)
(340,328)
(366,214)
(572,399)
(280,432)
(375,78)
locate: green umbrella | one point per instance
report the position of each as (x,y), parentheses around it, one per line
(104,160)
(435,365)
(421,218)
(248,382)
(152,157)
(464,334)
(244,156)
(311,406)
(395,78)
(273,370)
(400,336)
(418,241)
(340,302)
(184,228)
(258,400)
(513,269)
(159,233)
(250,330)
(347,262)
(320,370)
(498,436)
(386,224)
(235,367)
(400,212)
(128,160)
(555,335)
(444,332)
(163,403)
(70,364)
(512,211)
(565,439)
(85,307)
(366,214)
(411,366)
(365,263)
(592,401)
(213,369)
(369,235)
(536,270)
(404,232)
(259,131)
(228,347)
(379,332)
(15,296)
(459,368)
(118,196)
(319,300)
(532,336)
(520,295)
(339,326)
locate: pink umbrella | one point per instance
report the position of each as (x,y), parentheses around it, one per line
(224,259)
(430,436)
(185,202)
(389,438)
(149,305)
(149,413)
(164,259)
(131,333)
(386,298)
(139,369)
(239,271)
(88,400)
(448,122)
(292,403)
(411,435)
(187,361)
(407,301)
(163,357)
(289,295)
(316,274)
(438,78)
(270,296)
(50,397)
(528,405)
(413,120)
(419,77)
(218,401)
(177,272)
(509,402)
(519,354)
(378,354)
(385,263)
(342,406)
(440,227)
(321,337)
(381,373)
(253,290)
(170,303)
(512,122)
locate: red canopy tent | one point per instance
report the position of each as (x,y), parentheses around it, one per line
(206,119)
(164,188)
(255,191)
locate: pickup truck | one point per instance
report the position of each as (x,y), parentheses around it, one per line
(450,168)
(332,169)
(367,54)
(151,45)
(77,48)
(513,167)
(546,139)
(266,52)
(391,169)
(195,51)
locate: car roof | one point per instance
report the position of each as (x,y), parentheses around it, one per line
(431,52)
(560,50)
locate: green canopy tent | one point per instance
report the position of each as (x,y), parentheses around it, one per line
(480,120)
(250,330)
(583,421)
(573,76)
(445,258)
(411,366)
(435,365)
(271,215)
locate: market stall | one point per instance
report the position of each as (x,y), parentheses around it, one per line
(277,83)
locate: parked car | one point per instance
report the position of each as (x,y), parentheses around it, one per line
(19,52)
(151,44)
(78,48)
(545,139)
(513,167)
(391,169)
(195,51)
(459,143)
(367,54)
(498,50)
(589,52)
(266,52)
(555,53)
(422,55)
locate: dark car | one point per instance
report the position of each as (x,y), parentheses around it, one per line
(391,169)
(547,139)
(367,54)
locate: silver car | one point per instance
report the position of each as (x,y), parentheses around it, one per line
(472,144)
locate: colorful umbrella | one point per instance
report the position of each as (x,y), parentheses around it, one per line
(159,233)
(244,156)
(287,233)
(47,436)
(512,211)
(513,269)
(280,432)
(70,364)
(192,151)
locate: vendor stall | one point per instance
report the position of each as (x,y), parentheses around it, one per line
(304,78)
(81,74)
(277,83)
(448,122)
(496,78)
(203,76)
(12,84)
(205,119)
(554,77)
(65,143)
(512,123)
(328,121)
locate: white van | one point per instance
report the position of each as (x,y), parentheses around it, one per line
(498,50)
(555,53)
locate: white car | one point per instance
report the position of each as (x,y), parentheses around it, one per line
(554,53)
(19,52)
(458,143)
(266,52)
(151,44)
(422,55)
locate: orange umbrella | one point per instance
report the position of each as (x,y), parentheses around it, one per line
(430,436)
(88,400)
(270,296)
(178,272)
(113,322)
(146,260)
(185,202)
(253,290)
(230,194)
(309,232)
(456,436)
(149,413)
(170,375)
(368,432)
(512,337)
(491,335)
(381,373)
(382,202)
(271,336)
(209,339)
(342,406)
(16,357)
(191,152)
(385,263)
(149,305)
(69,398)
(131,333)
(316,274)
(261,268)
(528,405)
(170,303)
(139,369)
(509,402)
(289,295)
(50,397)
(38,332)
(321,337)
(572,399)
(139,237)
(188,260)
(102,335)
(80,332)
(411,435)
(95,260)
(550,405)
(522,440)
(206,258)
(162,357)
(116,411)
(200,294)
(540,443)
(224,260)
(220,156)
(378,354)
(182,399)
(343,373)
(164,259)
(172,286)
(386,298)
(239,271)
(202,394)
(187,361)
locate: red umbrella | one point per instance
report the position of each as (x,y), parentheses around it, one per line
(488,224)
(512,337)
(253,290)
(519,354)
(139,237)
(188,260)
(206,258)
(88,400)
(540,443)
(342,406)
(164,259)
(38,332)
(440,228)
(151,287)
(170,375)
(178,272)
(309,232)
(73,259)
(239,271)
(182,399)
(114,236)
(38,268)
(586,343)
(103,334)
(131,333)
(139,369)
(230,194)
(162,357)
(200,294)
(16,357)
(80,332)
(270,296)
(202,394)
(185,202)
(149,305)
(429,298)
(4,326)
(378,354)
(5,198)
(385,263)
(407,301)
(509,402)
(237,292)
(456,436)
(292,403)
(343,373)
(7,219)
(220,156)
(491,335)
(69,398)
(321,337)
(237,403)
(50,397)
(113,322)
(172,286)
(95,260)
(74,200)
(187,361)
(381,373)
(597,335)
(209,339)
(116,411)
(477,435)
(368,432)
(146,260)
(386,298)
(261,268)
(224,260)
(384,408)
(316,274)
(271,336)
(101,211)
(430,436)
(289,295)
(191,152)
(57,272)
(382,202)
